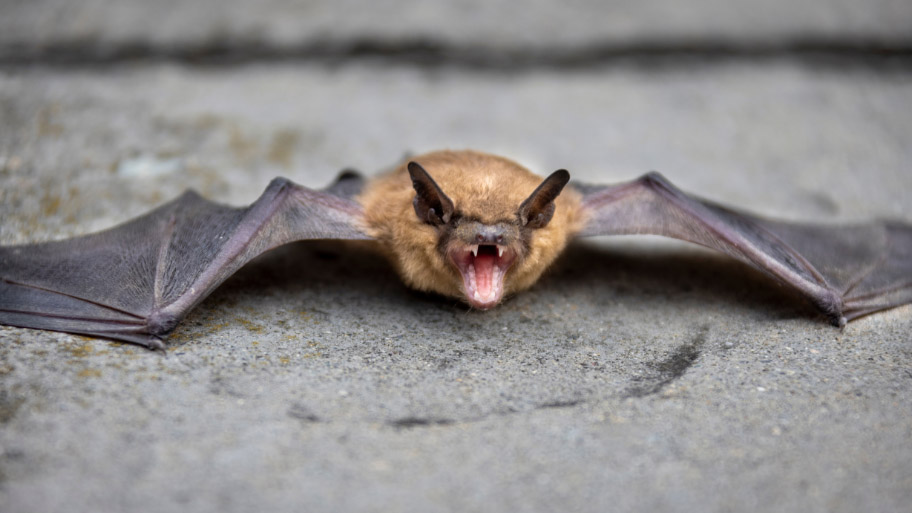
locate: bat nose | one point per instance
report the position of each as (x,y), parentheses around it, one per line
(485,234)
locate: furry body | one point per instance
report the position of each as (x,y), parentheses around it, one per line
(483,187)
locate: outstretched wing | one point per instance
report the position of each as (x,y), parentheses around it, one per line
(846,271)
(136,281)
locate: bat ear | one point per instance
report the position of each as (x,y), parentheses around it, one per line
(538,208)
(431,204)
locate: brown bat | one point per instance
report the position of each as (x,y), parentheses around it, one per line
(459,223)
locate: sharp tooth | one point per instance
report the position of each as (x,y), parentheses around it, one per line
(499,251)
(475,250)
(476,296)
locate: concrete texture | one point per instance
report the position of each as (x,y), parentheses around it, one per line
(492,23)
(639,375)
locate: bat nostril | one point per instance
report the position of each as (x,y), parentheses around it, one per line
(488,234)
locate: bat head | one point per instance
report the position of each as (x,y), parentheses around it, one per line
(484,244)
(470,225)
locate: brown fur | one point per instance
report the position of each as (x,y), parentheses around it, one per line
(482,186)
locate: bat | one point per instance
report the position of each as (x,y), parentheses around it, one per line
(462,224)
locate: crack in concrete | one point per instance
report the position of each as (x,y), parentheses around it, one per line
(664,373)
(416,422)
(428,53)
(671,368)
(413,422)
(560,404)
(303,413)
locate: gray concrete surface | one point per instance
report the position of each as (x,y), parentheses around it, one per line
(493,23)
(639,375)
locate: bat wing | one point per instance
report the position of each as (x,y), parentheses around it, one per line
(846,271)
(136,281)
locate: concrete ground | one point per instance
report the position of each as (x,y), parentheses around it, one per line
(639,375)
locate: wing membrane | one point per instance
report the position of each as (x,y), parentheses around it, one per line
(136,281)
(846,271)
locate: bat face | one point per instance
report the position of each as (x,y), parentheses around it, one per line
(483,254)
(470,225)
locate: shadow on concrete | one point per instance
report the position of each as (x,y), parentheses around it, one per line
(357,270)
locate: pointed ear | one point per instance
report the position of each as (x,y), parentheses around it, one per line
(538,208)
(431,204)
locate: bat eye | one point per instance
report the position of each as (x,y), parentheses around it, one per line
(431,205)
(538,208)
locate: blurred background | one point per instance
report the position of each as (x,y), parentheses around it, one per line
(336,389)
(798,100)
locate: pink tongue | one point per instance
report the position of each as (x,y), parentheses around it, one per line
(484,274)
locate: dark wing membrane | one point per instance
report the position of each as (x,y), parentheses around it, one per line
(846,271)
(136,281)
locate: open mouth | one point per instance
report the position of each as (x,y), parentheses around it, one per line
(483,267)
